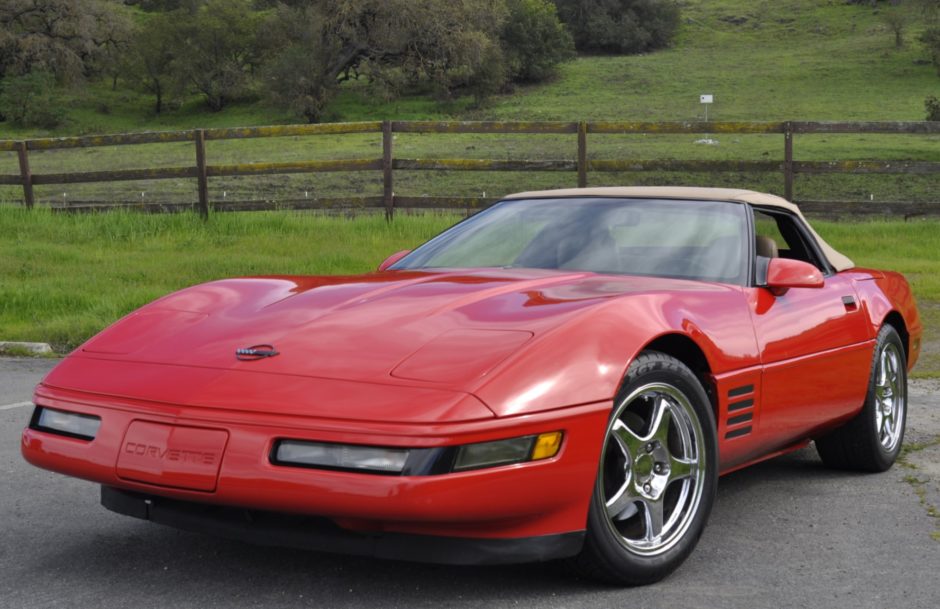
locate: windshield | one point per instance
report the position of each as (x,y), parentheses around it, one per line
(666,238)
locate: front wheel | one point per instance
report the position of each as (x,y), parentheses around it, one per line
(657,476)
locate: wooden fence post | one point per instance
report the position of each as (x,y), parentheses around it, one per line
(388,194)
(787,161)
(582,154)
(201,176)
(27,176)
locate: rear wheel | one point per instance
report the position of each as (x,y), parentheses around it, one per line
(657,476)
(872,440)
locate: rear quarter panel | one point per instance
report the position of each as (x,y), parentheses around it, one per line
(884,292)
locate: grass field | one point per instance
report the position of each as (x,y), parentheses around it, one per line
(763,60)
(64,277)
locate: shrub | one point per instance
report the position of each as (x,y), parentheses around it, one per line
(932,105)
(535,41)
(620,26)
(32,100)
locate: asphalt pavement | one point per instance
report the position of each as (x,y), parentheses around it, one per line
(785,533)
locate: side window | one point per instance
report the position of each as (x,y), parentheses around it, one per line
(779,234)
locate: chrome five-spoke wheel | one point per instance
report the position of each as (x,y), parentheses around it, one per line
(890,396)
(653,471)
(657,475)
(872,440)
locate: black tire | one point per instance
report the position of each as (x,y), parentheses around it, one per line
(651,476)
(871,442)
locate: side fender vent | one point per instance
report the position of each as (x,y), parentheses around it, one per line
(740,412)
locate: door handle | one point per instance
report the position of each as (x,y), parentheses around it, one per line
(850,304)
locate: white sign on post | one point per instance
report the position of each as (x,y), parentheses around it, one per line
(706,99)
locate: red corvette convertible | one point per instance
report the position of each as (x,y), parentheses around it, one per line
(563,375)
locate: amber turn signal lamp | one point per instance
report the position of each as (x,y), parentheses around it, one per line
(546,445)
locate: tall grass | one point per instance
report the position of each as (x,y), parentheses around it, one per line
(912,248)
(64,277)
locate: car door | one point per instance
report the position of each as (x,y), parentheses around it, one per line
(815,343)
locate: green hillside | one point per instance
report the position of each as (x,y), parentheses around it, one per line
(764,60)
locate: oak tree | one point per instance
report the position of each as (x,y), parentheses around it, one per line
(71,39)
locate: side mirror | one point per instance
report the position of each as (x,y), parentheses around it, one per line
(783,274)
(393,259)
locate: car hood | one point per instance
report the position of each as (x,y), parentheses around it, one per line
(445,330)
(449,327)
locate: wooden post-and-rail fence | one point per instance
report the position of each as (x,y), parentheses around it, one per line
(387,164)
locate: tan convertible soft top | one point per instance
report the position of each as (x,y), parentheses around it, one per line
(837,260)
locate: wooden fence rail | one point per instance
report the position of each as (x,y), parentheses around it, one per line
(388,163)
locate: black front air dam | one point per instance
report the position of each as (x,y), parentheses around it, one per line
(322,535)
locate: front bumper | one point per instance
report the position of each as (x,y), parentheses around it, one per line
(508,503)
(322,535)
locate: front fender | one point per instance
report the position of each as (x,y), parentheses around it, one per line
(585,359)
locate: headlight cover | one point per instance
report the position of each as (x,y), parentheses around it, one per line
(341,456)
(398,461)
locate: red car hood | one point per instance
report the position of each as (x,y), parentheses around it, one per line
(354,328)
(444,330)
